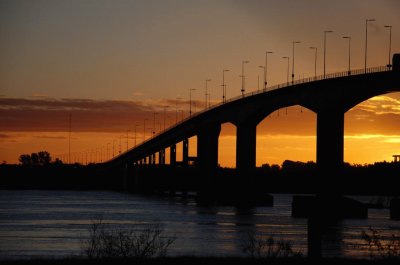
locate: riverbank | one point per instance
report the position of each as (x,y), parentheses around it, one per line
(201,261)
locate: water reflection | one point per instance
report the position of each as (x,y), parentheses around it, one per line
(53,223)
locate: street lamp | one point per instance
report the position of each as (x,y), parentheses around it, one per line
(165,114)
(176,110)
(366,41)
(326,31)
(315,61)
(106,153)
(206,94)
(120,143)
(154,122)
(223,85)
(266,67)
(390,43)
(294,42)
(127,141)
(263,67)
(190,101)
(349,38)
(144,129)
(136,125)
(242,76)
(287,72)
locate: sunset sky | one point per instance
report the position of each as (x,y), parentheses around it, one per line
(111,64)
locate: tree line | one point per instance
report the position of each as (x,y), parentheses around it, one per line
(42,158)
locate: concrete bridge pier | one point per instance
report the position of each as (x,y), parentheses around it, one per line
(185,152)
(329,204)
(246,191)
(161,157)
(246,149)
(207,158)
(330,146)
(172,155)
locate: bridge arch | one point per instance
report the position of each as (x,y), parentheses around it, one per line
(290,132)
(372,129)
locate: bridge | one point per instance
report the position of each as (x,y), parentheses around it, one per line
(329,97)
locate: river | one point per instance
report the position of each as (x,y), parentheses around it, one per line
(53,224)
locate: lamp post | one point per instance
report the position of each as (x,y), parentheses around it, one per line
(176,110)
(349,38)
(136,125)
(120,143)
(144,130)
(294,42)
(165,115)
(390,44)
(113,148)
(266,67)
(154,123)
(242,76)
(326,31)
(190,101)
(223,85)
(127,139)
(106,153)
(315,61)
(206,94)
(287,72)
(366,42)
(263,67)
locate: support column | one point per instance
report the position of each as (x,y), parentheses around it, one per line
(161,157)
(185,152)
(207,147)
(153,158)
(172,155)
(330,144)
(246,134)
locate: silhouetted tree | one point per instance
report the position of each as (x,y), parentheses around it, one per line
(25,160)
(42,158)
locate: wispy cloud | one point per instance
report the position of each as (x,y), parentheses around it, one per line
(46,114)
(381,105)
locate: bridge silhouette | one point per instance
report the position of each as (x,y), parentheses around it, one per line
(329,97)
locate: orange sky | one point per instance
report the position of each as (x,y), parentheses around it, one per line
(372,129)
(111,64)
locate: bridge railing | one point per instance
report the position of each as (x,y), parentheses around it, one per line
(268,89)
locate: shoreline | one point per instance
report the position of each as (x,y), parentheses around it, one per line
(200,261)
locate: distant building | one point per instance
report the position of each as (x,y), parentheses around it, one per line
(396,158)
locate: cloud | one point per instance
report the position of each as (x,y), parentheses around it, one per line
(4,136)
(381,105)
(50,137)
(379,115)
(46,114)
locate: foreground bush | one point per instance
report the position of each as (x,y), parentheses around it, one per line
(105,242)
(380,247)
(258,246)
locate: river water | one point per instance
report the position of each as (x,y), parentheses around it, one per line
(53,224)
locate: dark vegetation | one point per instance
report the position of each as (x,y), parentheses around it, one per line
(39,171)
(106,242)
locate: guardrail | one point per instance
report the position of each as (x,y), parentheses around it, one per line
(266,90)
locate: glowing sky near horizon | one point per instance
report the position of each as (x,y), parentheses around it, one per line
(86,57)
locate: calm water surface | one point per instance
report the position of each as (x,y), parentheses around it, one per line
(54,223)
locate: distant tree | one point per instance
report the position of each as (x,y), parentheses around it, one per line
(41,158)
(25,160)
(34,159)
(44,158)
(57,162)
